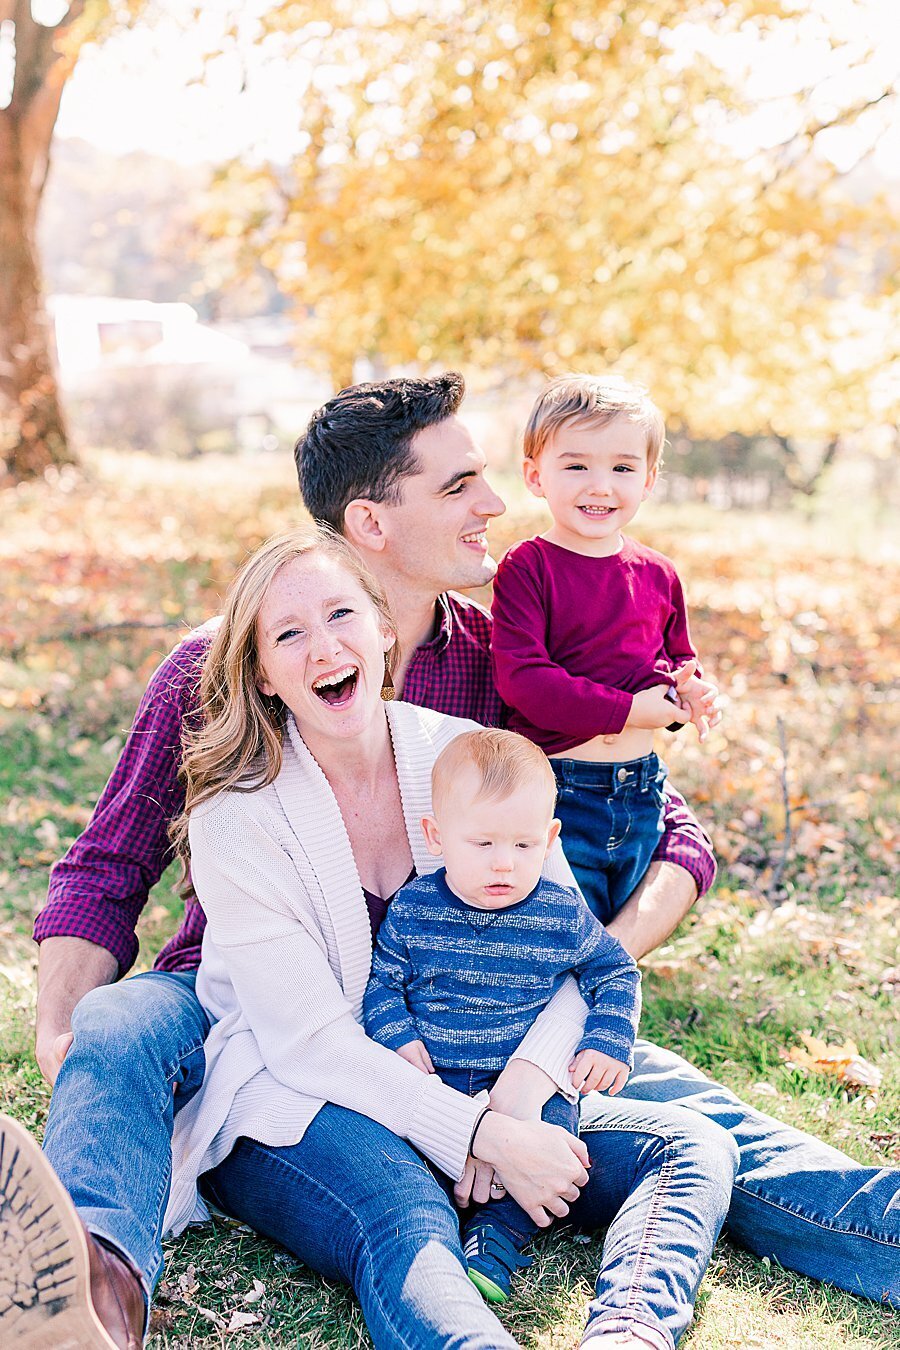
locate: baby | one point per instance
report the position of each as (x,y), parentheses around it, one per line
(590,643)
(467,957)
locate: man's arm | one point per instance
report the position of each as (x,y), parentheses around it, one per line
(97,891)
(68,968)
(654,909)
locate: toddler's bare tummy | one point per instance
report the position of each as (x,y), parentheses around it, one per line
(632,743)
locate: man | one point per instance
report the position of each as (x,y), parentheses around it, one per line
(394,468)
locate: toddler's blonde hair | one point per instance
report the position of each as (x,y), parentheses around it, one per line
(594,401)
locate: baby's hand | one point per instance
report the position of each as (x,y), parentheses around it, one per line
(592,1071)
(699,697)
(414,1053)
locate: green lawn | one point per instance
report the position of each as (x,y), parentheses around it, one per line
(798,629)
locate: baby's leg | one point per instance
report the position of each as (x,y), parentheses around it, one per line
(494,1238)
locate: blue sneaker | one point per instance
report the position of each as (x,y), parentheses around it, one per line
(491,1260)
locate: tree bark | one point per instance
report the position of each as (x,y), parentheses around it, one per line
(32,427)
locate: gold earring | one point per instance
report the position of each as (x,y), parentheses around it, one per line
(388,691)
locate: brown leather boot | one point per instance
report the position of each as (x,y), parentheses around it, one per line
(60,1289)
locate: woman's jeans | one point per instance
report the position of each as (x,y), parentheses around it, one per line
(109,1134)
(611,818)
(356,1203)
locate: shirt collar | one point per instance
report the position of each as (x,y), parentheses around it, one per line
(441,639)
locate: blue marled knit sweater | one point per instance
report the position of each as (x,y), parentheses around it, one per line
(470,982)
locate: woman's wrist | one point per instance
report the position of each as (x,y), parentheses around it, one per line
(475,1128)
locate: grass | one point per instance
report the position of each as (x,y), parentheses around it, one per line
(797,616)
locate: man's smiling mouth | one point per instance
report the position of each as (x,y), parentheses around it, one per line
(477,537)
(337,688)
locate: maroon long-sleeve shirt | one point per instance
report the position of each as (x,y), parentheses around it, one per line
(575,637)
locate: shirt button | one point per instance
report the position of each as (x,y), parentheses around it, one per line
(622,775)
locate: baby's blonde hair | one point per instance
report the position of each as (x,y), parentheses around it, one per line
(594,401)
(504,759)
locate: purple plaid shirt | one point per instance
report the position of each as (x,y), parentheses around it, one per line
(97,891)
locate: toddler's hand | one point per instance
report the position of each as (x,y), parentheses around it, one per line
(414,1053)
(592,1071)
(651,710)
(699,697)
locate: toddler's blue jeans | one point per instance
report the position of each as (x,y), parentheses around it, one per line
(611,818)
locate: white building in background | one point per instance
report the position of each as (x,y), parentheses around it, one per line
(250,369)
(94,333)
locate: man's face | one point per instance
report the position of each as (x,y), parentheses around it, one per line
(436,534)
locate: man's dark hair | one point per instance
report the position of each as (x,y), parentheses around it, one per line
(359,443)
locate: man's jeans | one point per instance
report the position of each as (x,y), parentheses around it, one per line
(796,1200)
(356,1203)
(136,1059)
(611,818)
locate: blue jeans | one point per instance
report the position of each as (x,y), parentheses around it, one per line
(109,1138)
(611,818)
(796,1200)
(356,1203)
(557,1111)
(136,1059)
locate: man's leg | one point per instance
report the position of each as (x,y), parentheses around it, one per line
(137,1057)
(662,1181)
(355,1203)
(795,1199)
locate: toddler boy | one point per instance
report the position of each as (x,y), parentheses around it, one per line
(590,644)
(467,957)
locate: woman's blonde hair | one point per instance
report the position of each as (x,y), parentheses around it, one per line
(238,742)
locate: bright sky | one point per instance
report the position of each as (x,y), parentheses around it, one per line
(142,90)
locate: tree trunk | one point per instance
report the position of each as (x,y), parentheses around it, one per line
(32,430)
(32,427)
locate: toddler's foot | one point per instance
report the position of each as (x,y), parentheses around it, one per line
(491,1259)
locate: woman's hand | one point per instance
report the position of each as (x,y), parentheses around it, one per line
(477,1185)
(542,1166)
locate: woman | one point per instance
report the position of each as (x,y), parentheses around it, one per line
(304,796)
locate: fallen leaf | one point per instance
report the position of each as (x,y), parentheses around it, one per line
(242,1319)
(843,1062)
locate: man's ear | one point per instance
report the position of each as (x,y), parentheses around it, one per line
(531,472)
(432,835)
(553,834)
(650,483)
(362,525)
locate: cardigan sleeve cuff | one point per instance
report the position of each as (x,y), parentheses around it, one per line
(442,1125)
(551,1044)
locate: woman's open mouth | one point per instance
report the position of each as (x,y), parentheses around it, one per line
(338,688)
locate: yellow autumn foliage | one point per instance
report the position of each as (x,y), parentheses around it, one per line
(549,184)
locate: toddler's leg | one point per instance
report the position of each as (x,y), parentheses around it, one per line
(587,837)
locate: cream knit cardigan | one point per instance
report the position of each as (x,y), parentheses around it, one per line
(285,961)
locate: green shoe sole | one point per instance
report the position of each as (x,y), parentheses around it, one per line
(486,1287)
